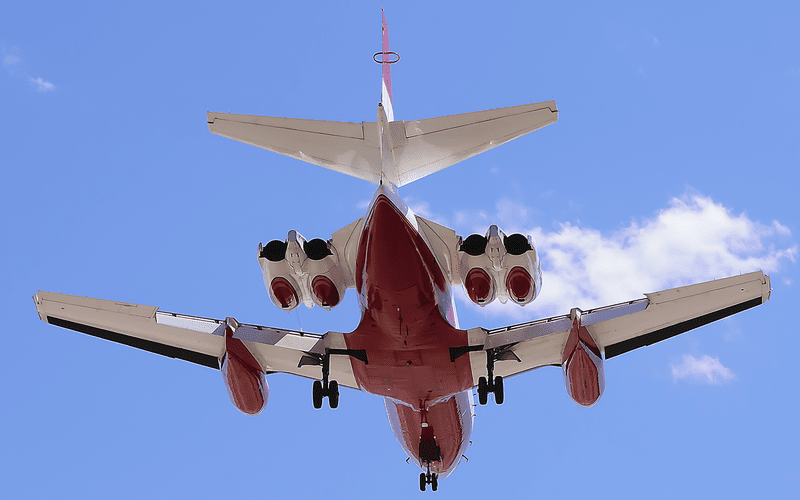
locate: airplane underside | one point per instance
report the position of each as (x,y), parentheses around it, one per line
(408,346)
(407,340)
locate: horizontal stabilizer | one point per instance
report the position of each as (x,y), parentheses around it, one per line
(436,143)
(420,147)
(349,148)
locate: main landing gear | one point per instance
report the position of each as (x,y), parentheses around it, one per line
(331,391)
(324,388)
(493,384)
(429,478)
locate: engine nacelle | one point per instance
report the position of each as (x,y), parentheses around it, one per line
(499,266)
(245,381)
(582,363)
(296,270)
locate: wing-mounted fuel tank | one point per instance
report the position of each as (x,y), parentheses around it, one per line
(244,378)
(499,266)
(582,364)
(309,271)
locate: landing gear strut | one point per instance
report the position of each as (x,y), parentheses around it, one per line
(325,388)
(493,384)
(428,478)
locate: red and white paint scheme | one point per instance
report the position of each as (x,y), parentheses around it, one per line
(582,363)
(243,377)
(408,346)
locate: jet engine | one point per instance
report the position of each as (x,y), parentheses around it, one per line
(582,363)
(499,266)
(297,270)
(245,381)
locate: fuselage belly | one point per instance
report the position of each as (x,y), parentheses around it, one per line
(407,327)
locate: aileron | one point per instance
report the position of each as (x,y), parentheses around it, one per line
(673,330)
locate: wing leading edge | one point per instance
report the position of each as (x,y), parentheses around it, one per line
(619,328)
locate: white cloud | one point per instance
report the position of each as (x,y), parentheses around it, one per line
(423,209)
(704,370)
(41,85)
(693,240)
(781,229)
(514,214)
(12,61)
(476,221)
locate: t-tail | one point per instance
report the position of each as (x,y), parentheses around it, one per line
(388,150)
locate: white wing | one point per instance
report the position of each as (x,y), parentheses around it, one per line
(619,328)
(194,339)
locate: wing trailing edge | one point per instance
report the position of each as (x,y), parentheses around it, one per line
(191,338)
(619,328)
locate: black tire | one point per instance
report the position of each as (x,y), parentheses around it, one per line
(333,394)
(499,395)
(422,481)
(317,394)
(483,391)
(434,482)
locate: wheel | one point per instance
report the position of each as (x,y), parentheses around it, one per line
(499,397)
(434,482)
(317,394)
(333,393)
(483,391)
(422,481)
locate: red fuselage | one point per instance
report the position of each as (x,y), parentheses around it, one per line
(407,327)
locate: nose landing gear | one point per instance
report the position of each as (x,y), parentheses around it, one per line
(428,478)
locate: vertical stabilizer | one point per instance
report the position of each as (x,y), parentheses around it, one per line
(386,61)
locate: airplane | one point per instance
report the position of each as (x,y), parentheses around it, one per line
(408,346)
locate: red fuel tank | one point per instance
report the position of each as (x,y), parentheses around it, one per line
(245,381)
(582,363)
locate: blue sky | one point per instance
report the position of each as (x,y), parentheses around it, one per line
(674,160)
